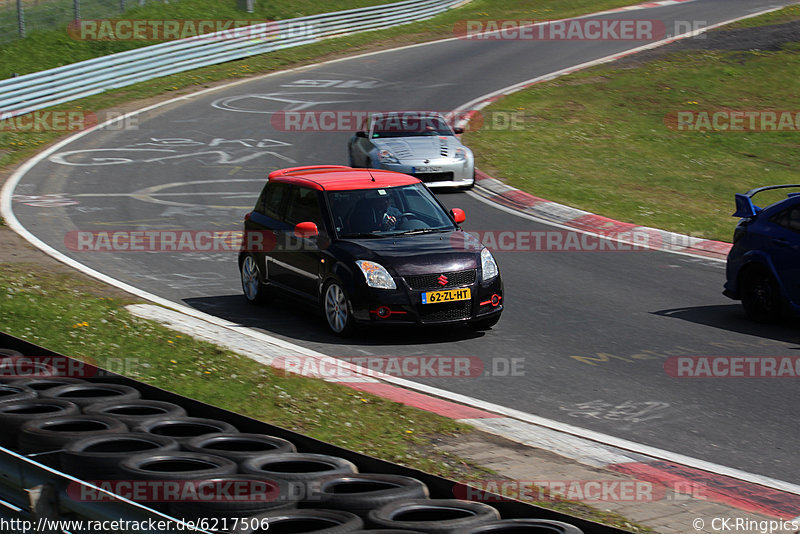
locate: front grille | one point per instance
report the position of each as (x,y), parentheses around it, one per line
(445,312)
(423,282)
(428,177)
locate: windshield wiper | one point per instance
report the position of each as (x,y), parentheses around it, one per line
(421,231)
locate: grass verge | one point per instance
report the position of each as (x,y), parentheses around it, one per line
(72,316)
(599,139)
(18,145)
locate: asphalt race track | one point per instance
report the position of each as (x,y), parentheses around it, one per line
(592,329)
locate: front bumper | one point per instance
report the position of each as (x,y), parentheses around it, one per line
(404,304)
(438,172)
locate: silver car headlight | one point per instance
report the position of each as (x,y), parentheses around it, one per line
(377,276)
(386,156)
(488,265)
(460,154)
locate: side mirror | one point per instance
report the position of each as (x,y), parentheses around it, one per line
(306,230)
(361,134)
(458,215)
(458,130)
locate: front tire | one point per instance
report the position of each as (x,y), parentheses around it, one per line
(761,298)
(251,281)
(337,309)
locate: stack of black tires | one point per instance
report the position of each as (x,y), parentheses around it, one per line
(224,472)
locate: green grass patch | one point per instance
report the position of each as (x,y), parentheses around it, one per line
(43,52)
(598,139)
(67,315)
(46,24)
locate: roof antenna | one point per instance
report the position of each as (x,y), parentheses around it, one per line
(372,176)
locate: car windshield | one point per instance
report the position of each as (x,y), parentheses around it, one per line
(385,212)
(409,124)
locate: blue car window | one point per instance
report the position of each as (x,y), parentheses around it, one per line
(788,218)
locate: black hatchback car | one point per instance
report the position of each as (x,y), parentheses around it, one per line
(367,246)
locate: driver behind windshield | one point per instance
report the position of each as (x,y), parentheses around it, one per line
(386,213)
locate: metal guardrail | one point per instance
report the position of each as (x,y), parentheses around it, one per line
(40,90)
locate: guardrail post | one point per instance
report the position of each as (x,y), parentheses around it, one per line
(43,501)
(20,19)
(247,5)
(76,9)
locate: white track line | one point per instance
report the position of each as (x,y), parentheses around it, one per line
(7,212)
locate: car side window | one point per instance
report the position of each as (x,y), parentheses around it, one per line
(303,206)
(788,218)
(272,199)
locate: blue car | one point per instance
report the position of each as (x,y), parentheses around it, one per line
(763,269)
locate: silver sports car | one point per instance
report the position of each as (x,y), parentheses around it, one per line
(419,143)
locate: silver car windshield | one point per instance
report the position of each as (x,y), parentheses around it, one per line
(384,212)
(409,124)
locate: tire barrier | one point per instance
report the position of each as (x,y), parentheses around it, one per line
(92,393)
(433,516)
(13,392)
(182,429)
(284,481)
(531,526)
(53,433)
(45,383)
(297,467)
(301,521)
(176,465)
(98,457)
(136,411)
(13,414)
(363,492)
(235,496)
(164,468)
(237,446)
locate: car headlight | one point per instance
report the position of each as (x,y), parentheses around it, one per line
(376,275)
(386,156)
(461,154)
(488,265)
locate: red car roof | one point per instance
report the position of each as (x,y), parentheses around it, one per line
(341,178)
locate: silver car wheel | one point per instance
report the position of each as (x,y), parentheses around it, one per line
(250,279)
(336,308)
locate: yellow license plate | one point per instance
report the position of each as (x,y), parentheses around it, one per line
(449,295)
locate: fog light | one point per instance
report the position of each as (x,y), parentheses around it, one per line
(384,312)
(495,300)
